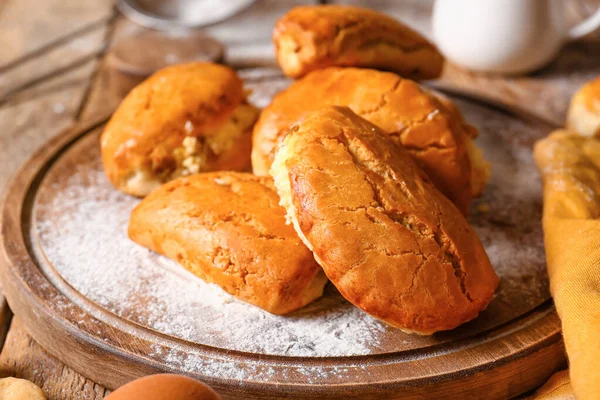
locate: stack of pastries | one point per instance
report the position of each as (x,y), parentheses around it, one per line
(361,176)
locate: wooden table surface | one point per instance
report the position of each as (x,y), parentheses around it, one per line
(53,74)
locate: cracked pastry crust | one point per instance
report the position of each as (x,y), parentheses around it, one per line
(437,137)
(570,168)
(183,119)
(583,116)
(391,243)
(308,38)
(480,167)
(228,228)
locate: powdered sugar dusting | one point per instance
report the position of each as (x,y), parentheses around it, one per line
(257,370)
(81,223)
(83,233)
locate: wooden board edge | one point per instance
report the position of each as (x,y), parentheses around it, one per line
(37,319)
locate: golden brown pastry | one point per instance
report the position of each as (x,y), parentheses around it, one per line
(480,167)
(228,228)
(391,243)
(308,38)
(584,112)
(436,137)
(570,168)
(20,389)
(182,120)
(164,387)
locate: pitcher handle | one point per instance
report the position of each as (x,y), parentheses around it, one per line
(585,27)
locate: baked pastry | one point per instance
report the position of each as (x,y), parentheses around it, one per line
(583,116)
(164,387)
(391,243)
(436,137)
(20,389)
(308,38)
(480,167)
(182,120)
(228,228)
(570,168)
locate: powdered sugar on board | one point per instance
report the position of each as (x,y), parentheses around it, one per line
(88,244)
(81,223)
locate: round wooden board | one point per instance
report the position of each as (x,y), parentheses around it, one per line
(511,348)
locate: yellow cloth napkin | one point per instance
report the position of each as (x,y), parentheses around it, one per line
(570,167)
(558,387)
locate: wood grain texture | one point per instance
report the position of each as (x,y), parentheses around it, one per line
(27,120)
(28,25)
(21,122)
(54,102)
(23,358)
(20,42)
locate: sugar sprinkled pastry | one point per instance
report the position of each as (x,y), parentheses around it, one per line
(583,116)
(164,387)
(314,37)
(391,243)
(428,126)
(182,120)
(228,228)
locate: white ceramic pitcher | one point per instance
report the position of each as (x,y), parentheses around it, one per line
(505,36)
